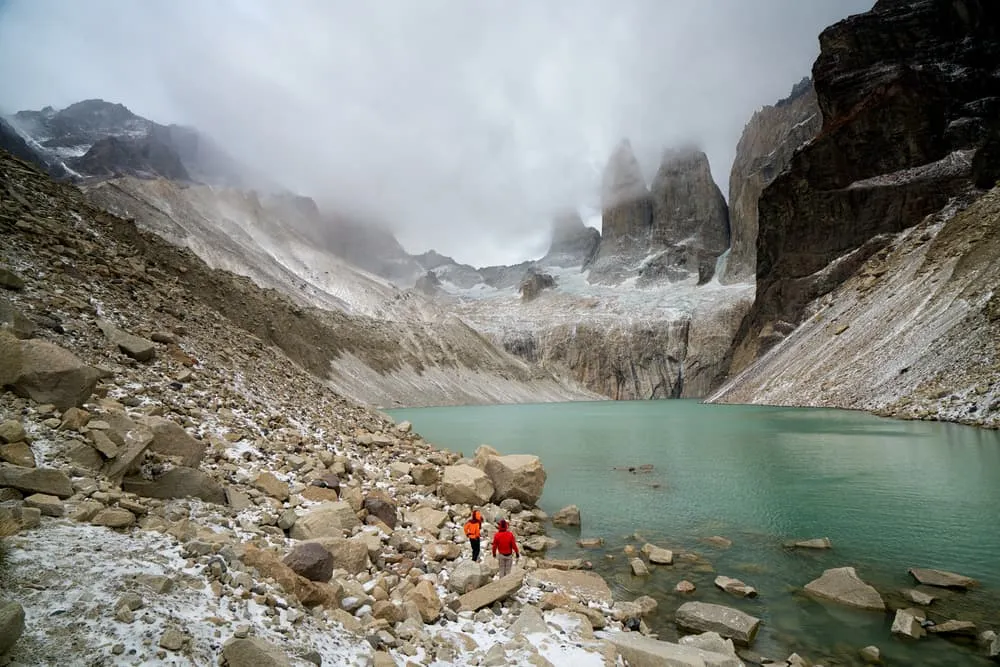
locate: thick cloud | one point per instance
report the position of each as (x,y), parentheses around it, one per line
(461,123)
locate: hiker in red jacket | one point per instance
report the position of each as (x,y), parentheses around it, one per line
(504,542)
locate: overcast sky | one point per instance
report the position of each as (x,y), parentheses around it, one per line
(461,123)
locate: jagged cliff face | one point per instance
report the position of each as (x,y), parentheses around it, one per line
(690,216)
(908,92)
(764,150)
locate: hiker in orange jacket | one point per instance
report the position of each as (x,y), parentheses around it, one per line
(506,545)
(473,530)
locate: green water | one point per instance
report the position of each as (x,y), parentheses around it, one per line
(889,494)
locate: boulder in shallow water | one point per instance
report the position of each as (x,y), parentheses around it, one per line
(942,578)
(954,628)
(990,641)
(639,568)
(728,622)
(843,585)
(735,587)
(906,623)
(642,651)
(658,555)
(567,516)
(871,655)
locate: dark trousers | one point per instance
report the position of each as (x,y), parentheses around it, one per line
(475,549)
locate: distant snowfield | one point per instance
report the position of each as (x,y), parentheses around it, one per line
(576,300)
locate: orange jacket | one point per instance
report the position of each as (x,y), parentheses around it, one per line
(505,543)
(474,526)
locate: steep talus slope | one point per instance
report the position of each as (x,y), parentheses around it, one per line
(908,92)
(914,333)
(765,148)
(367,339)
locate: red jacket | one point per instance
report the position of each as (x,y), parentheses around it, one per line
(504,542)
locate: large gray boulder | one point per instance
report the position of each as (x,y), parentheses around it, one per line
(518,476)
(170,439)
(36,480)
(728,622)
(492,592)
(843,585)
(178,482)
(11,624)
(253,652)
(347,553)
(588,586)
(325,520)
(463,484)
(469,575)
(48,373)
(641,651)
(426,518)
(310,560)
(134,346)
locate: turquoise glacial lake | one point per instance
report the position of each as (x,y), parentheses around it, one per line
(889,494)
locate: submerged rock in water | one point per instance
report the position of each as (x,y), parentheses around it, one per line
(843,585)
(815,543)
(942,578)
(917,597)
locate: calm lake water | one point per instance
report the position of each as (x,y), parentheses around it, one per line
(889,494)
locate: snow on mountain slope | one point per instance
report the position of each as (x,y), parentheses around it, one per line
(232,230)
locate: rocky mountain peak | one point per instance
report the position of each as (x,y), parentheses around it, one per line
(573,243)
(626,212)
(623,181)
(688,206)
